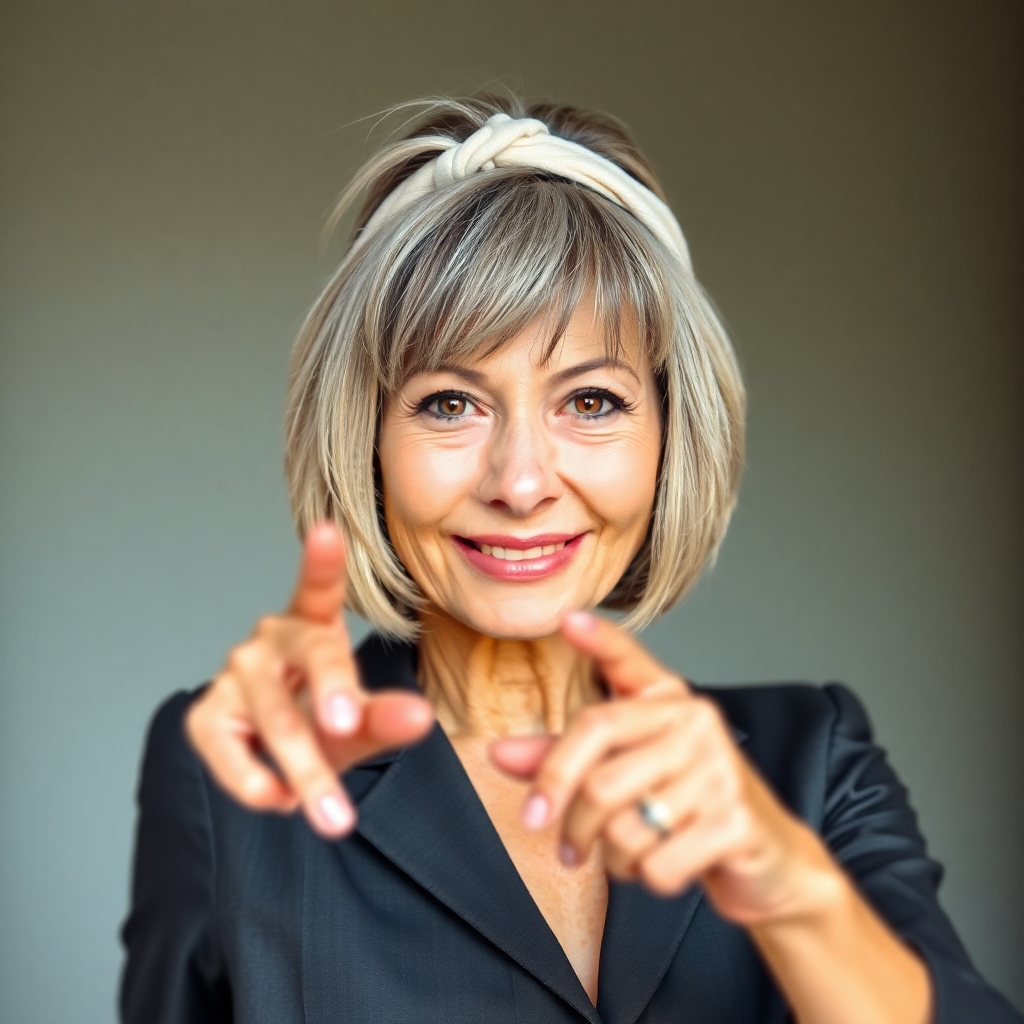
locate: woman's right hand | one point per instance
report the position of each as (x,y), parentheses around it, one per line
(292,692)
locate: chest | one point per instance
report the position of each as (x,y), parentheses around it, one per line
(573,901)
(420,915)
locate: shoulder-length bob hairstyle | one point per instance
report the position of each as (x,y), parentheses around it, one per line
(460,274)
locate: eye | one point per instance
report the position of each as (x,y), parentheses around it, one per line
(451,405)
(446,405)
(592,405)
(589,405)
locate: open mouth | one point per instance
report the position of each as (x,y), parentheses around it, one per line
(519,558)
(517,554)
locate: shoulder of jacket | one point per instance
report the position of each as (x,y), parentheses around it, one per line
(789,713)
(168,758)
(758,699)
(788,730)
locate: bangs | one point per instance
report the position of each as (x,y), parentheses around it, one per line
(460,278)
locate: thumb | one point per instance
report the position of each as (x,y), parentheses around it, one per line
(320,588)
(391,719)
(520,756)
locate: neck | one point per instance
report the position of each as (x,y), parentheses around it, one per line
(485,687)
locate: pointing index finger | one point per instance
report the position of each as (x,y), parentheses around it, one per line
(320,589)
(624,663)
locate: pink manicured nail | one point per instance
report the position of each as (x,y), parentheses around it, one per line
(580,619)
(335,814)
(342,713)
(535,811)
(567,854)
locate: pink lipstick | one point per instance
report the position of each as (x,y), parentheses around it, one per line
(510,558)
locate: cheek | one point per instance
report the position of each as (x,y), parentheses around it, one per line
(424,479)
(617,481)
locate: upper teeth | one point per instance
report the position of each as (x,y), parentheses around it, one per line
(518,554)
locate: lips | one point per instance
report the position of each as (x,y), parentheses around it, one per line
(519,558)
(519,554)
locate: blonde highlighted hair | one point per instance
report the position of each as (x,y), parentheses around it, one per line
(460,274)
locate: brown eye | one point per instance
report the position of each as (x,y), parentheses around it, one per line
(452,406)
(588,405)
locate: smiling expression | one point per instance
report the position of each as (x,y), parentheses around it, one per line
(517,487)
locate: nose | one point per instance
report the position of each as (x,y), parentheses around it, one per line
(522,470)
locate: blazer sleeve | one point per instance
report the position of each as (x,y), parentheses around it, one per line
(173,973)
(872,831)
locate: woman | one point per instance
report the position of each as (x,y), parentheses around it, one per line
(513,404)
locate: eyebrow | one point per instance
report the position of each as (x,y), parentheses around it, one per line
(478,378)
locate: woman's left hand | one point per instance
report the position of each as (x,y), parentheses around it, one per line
(658,742)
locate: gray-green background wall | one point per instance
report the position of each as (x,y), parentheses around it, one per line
(849,177)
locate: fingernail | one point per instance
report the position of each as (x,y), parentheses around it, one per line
(535,811)
(580,619)
(567,854)
(342,713)
(335,814)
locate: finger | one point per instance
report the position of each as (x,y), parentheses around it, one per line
(520,756)
(320,589)
(288,737)
(593,735)
(323,655)
(622,781)
(695,802)
(225,745)
(706,784)
(391,719)
(334,684)
(673,865)
(395,720)
(627,838)
(689,760)
(622,661)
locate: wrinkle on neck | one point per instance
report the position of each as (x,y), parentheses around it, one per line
(486,687)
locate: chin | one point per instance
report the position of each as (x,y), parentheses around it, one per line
(515,619)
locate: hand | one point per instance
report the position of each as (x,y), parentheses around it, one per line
(657,740)
(292,690)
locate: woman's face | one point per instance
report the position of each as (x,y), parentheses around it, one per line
(516,488)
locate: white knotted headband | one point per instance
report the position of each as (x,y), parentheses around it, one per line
(504,141)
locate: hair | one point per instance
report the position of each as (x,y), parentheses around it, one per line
(460,274)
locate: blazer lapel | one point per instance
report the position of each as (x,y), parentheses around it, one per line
(425,816)
(641,936)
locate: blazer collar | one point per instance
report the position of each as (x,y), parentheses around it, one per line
(424,815)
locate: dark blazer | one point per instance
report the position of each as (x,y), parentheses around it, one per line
(421,917)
